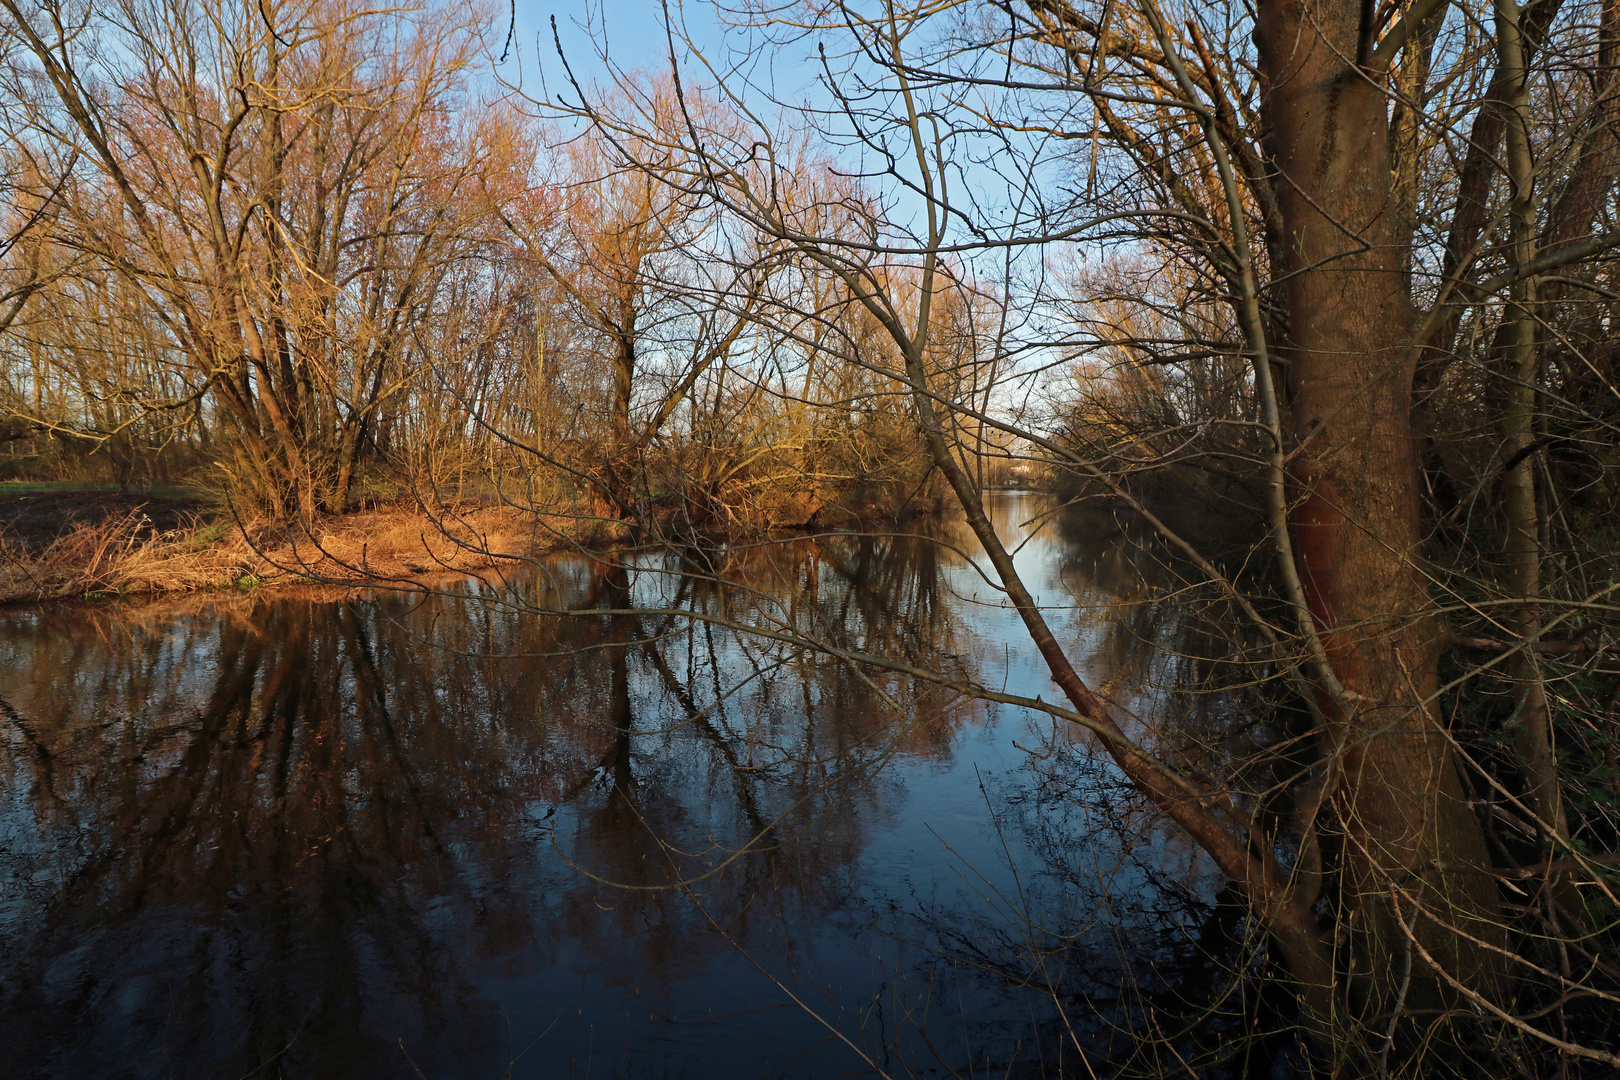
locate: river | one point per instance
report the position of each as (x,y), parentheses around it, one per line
(451,835)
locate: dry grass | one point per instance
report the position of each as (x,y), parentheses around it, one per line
(404,545)
(123,556)
(116,556)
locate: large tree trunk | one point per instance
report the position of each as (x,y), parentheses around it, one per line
(1405,832)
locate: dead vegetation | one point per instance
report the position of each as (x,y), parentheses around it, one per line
(122,555)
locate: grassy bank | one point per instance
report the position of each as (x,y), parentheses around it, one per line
(62,543)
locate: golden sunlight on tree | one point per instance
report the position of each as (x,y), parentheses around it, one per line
(264,203)
(1201,415)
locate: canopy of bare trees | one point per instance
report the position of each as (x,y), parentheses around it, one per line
(1322,292)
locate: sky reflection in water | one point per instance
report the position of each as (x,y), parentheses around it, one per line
(290,837)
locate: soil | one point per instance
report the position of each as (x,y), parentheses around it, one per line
(36,518)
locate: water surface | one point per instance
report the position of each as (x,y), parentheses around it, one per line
(449,836)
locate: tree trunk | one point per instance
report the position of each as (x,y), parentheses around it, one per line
(1521,372)
(1405,831)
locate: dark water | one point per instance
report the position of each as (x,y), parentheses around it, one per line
(450,837)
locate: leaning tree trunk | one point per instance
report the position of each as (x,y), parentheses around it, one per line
(1407,840)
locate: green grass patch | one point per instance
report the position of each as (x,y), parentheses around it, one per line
(211,534)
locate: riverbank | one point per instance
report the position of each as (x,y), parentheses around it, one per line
(60,544)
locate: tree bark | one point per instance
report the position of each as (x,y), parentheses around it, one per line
(1521,371)
(1396,802)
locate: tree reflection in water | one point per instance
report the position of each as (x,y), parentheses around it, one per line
(306,837)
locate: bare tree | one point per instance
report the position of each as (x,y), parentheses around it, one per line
(279,190)
(1285,158)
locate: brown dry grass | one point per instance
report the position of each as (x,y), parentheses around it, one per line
(113,556)
(122,556)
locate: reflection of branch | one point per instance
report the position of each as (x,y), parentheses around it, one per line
(700,720)
(47,763)
(714,925)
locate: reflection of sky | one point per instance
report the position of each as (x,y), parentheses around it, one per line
(454,919)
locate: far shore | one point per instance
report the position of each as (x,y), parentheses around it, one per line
(63,543)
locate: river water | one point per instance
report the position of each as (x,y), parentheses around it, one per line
(456,836)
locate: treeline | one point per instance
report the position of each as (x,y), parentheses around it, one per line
(308,253)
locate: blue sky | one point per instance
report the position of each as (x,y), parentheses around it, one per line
(631,32)
(632,36)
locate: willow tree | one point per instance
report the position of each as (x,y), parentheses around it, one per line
(657,295)
(279,189)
